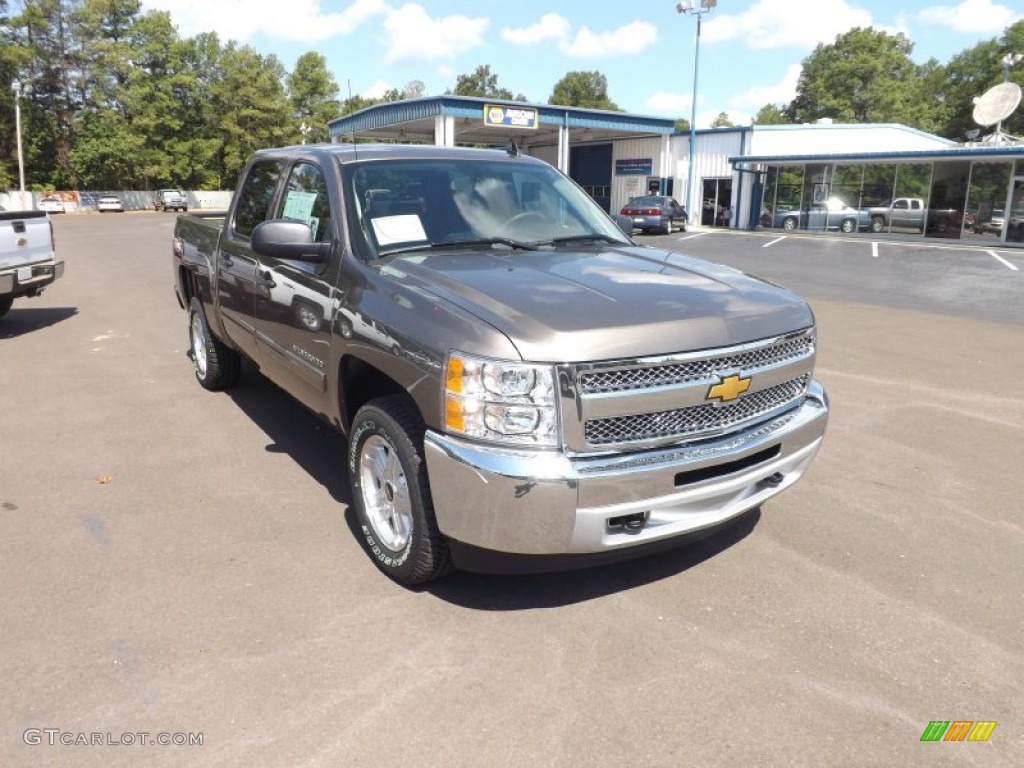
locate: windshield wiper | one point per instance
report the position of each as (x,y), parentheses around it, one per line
(585,238)
(514,244)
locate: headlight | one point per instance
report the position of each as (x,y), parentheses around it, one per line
(500,401)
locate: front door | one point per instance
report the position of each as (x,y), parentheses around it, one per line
(294,299)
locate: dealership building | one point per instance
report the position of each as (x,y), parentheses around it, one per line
(881,179)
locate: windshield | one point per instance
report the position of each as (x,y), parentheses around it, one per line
(402,205)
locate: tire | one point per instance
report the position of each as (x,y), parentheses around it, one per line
(789,224)
(877,223)
(668,226)
(390,493)
(848,225)
(5,304)
(217,366)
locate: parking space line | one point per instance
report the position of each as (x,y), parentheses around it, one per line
(1003,261)
(773,242)
(874,249)
(690,237)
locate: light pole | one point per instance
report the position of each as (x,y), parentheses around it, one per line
(690,7)
(1010,60)
(16,87)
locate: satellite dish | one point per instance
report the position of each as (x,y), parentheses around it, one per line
(996,104)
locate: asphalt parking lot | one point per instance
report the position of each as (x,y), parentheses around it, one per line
(180,563)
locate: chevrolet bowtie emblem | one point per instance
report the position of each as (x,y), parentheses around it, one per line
(728,389)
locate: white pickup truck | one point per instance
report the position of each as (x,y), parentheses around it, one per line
(899,212)
(28,259)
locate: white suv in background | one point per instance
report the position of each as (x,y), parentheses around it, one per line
(168,199)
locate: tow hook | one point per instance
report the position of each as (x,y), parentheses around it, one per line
(774,480)
(631,524)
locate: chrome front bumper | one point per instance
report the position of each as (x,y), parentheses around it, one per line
(546,503)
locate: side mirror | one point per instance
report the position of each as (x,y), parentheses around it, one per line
(625,223)
(287,239)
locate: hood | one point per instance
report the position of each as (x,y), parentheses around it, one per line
(590,304)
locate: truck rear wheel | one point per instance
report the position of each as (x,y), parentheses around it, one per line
(5,304)
(217,366)
(877,223)
(390,492)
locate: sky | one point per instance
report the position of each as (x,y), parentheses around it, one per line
(749,54)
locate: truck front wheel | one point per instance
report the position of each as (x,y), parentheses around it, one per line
(390,493)
(217,365)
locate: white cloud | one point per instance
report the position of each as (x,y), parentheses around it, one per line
(971,16)
(412,35)
(627,40)
(742,105)
(551,26)
(376,90)
(796,23)
(781,92)
(677,106)
(664,103)
(241,20)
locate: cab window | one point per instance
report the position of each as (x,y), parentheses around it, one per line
(256,195)
(305,199)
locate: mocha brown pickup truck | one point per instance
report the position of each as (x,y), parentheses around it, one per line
(521,385)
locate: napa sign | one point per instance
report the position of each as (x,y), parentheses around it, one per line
(498,116)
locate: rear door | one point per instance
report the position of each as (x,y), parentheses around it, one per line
(236,262)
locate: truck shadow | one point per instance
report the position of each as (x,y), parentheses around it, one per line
(294,430)
(486,592)
(321,451)
(20,321)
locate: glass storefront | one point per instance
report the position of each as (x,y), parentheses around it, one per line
(973,200)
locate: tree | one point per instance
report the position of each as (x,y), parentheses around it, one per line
(483,84)
(968,75)
(251,108)
(770,114)
(48,65)
(8,74)
(865,76)
(313,94)
(682,125)
(722,121)
(582,89)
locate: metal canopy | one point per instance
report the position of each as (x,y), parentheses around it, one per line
(414,121)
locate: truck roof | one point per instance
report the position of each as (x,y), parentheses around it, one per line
(353,152)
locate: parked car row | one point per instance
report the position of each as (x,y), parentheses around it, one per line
(163,200)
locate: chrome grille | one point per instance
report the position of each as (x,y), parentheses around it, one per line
(634,378)
(685,422)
